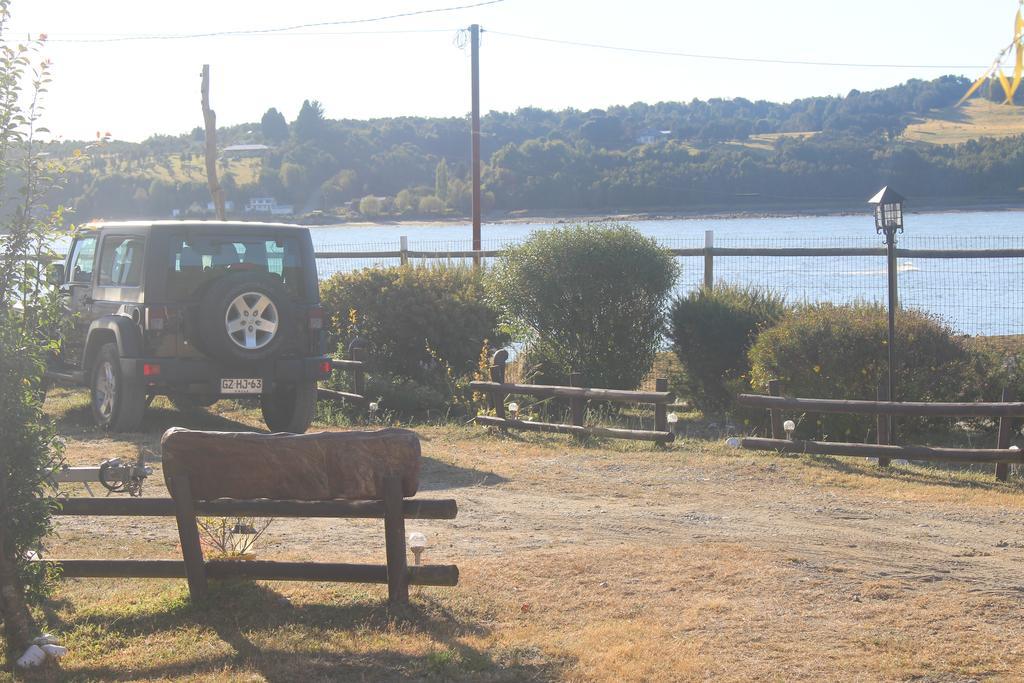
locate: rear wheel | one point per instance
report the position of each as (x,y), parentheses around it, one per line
(117,402)
(290,408)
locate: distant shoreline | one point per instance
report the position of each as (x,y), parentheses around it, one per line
(568,218)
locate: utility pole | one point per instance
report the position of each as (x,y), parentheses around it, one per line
(210,120)
(474,33)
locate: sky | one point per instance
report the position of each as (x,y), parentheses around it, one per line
(419,66)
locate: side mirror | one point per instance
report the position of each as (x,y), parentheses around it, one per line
(55,274)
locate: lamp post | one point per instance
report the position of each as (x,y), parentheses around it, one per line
(888,221)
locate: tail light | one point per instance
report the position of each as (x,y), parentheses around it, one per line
(156,317)
(315,317)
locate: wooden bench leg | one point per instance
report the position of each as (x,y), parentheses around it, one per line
(188,534)
(394,542)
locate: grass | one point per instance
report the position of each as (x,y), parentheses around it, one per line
(172,168)
(767,141)
(611,562)
(975,119)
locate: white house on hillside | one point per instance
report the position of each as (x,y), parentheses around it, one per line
(268,205)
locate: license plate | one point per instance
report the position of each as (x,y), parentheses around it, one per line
(243,385)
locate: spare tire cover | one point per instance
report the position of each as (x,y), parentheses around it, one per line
(245,317)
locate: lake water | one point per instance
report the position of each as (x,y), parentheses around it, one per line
(976,296)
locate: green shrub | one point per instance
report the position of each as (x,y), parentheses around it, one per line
(711,331)
(586,298)
(424,326)
(833,351)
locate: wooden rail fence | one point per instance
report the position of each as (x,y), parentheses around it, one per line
(202,484)
(497,390)
(355,364)
(709,251)
(1001,456)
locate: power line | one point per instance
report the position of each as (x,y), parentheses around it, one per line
(726,58)
(280,29)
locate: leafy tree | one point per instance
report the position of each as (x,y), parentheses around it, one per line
(309,125)
(273,126)
(431,204)
(441,180)
(371,206)
(29,451)
(406,201)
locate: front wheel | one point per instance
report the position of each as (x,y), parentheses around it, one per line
(117,402)
(290,408)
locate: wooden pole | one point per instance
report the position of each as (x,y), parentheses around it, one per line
(357,351)
(1003,438)
(575,430)
(709,259)
(474,32)
(548,391)
(661,409)
(907,408)
(263,570)
(882,421)
(210,121)
(226,507)
(403,248)
(188,534)
(870,450)
(775,389)
(577,404)
(497,398)
(394,542)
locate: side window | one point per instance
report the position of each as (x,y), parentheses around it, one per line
(82,257)
(121,262)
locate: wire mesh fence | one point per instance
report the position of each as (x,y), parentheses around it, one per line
(973,283)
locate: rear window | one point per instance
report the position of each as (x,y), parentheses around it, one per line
(197,261)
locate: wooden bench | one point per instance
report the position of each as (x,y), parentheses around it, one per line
(329,474)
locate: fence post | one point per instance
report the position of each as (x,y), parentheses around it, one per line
(403,246)
(882,394)
(775,389)
(709,259)
(497,399)
(394,542)
(660,410)
(357,351)
(1003,438)
(577,405)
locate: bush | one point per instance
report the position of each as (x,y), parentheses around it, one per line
(29,450)
(587,298)
(424,327)
(711,331)
(832,351)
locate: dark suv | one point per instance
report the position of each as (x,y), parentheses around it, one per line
(195,311)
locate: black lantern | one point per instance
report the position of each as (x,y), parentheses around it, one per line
(888,221)
(888,212)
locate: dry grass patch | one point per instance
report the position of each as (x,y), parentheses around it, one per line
(607,562)
(976,119)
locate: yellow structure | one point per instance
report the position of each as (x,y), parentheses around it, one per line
(997,66)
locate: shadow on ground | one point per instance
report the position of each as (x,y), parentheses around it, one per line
(318,642)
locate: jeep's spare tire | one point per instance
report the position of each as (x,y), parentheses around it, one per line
(245,317)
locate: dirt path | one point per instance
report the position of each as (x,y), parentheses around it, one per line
(523,496)
(751,565)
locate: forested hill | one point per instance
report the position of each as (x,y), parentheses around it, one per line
(641,157)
